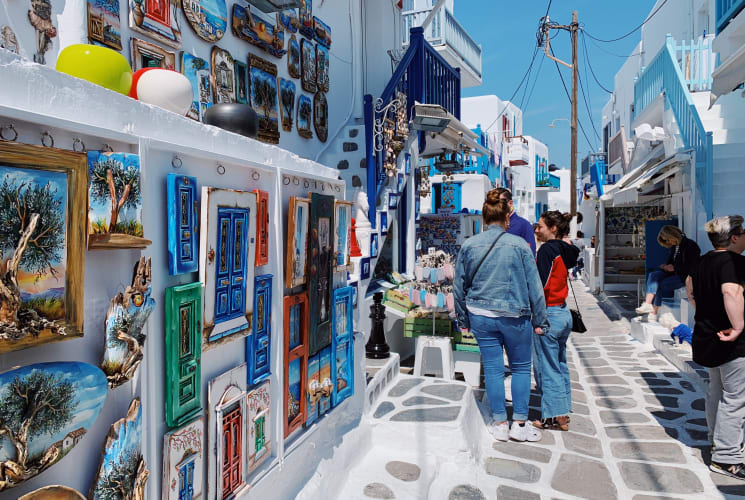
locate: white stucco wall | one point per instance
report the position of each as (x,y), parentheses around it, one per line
(561,200)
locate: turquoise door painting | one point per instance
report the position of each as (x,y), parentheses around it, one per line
(227,256)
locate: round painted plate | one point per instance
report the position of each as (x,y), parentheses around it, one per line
(208,18)
(53,493)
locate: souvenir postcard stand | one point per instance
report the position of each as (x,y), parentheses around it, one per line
(343,345)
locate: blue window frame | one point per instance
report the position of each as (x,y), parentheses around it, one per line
(230,282)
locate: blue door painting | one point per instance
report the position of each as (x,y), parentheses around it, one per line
(230,283)
(343,345)
(257,345)
(186,481)
(183,224)
(227,254)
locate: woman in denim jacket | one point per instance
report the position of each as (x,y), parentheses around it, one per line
(499,297)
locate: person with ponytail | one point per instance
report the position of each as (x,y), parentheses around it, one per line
(555,257)
(499,297)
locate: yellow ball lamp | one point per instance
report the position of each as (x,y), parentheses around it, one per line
(99,65)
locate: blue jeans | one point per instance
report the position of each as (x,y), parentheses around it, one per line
(662,284)
(550,364)
(495,335)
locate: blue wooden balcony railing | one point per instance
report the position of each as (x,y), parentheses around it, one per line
(424,77)
(726,10)
(664,75)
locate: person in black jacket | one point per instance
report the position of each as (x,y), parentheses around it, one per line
(682,260)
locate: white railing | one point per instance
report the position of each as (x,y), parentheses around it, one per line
(445,30)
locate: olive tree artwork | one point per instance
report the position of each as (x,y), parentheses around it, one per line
(287,103)
(42,214)
(264,98)
(115,192)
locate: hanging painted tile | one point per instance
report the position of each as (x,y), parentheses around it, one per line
(304,117)
(40,431)
(115,222)
(259,424)
(223,76)
(314,389)
(322,32)
(227,254)
(103,23)
(256,28)
(183,324)
(262,227)
(9,41)
(258,352)
(55,492)
(183,462)
(125,321)
(287,103)
(342,234)
(308,63)
(227,447)
(288,20)
(148,55)
(197,70)
(264,98)
(293,57)
(40,17)
(321,262)
(123,472)
(296,360)
(183,224)
(297,241)
(322,68)
(156,19)
(324,379)
(306,19)
(321,116)
(343,345)
(208,18)
(41,292)
(241,81)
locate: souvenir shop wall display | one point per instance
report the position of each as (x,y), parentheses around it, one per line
(264,98)
(433,288)
(49,307)
(439,231)
(183,461)
(295,360)
(321,270)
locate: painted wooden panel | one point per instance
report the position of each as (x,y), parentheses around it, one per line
(262,227)
(342,234)
(183,341)
(343,345)
(183,224)
(258,355)
(68,399)
(314,389)
(156,19)
(296,360)
(297,242)
(54,492)
(321,270)
(324,378)
(183,462)
(227,246)
(259,423)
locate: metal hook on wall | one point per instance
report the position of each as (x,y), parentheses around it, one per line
(296,181)
(255,175)
(306,184)
(285,180)
(46,136)
(220,169)
(176,162)
(11,128)
(75,143)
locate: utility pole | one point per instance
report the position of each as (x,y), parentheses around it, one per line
(573,29)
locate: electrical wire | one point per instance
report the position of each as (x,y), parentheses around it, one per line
(527,72)
(603,49)
(587,62)
(630,32)
(587,103)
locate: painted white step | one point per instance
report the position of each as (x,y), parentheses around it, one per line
(729,150)
(725,167)
(728,135)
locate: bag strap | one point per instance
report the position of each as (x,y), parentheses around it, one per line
(575,297)
(487,253)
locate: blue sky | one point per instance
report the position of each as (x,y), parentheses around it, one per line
(507,34)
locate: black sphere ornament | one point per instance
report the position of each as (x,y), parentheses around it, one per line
(376,347)
(233,117)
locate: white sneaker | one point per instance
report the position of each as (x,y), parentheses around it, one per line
(501,432)
(524,432)
(645,308)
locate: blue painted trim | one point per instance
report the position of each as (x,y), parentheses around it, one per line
(345,341)
(371,162)
(226,333)
(403,227)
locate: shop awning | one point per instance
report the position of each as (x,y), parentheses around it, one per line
(454,138)
(729,75)
(653,158)
(630,194)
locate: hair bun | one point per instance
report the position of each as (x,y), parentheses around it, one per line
(567,216)
(492,197)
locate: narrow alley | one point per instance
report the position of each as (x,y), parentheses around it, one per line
(637,431)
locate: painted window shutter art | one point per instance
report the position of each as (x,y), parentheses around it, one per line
(262,227)
(258,353)
(183,224)
(295,360)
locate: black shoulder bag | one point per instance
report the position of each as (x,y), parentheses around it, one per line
(578,325)
(484,257)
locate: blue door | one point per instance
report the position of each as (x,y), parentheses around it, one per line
(230,283)
(258,355)
(183,224)
(186,482)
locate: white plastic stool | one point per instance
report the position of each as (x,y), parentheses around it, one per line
(469,364)
(442,344)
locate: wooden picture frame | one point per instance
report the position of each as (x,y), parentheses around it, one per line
(209,28)
(259,425)
(183,224)
(322,68)
(104,25)
(241,81)
(293,57)
(287,91)
(262,227)
(343,345)
(158,20)
(305,13)
(304,117)
(342,234)
(258,344)
(197,71)
(308,66)
(227,252)
(295,360)
(183,343)
(265,97)
(288,20)
(148,55)
(223,76)
(257,28)
(60,186)
(320,270)
(183,461)
(322,33)
(321,116)
(298,217)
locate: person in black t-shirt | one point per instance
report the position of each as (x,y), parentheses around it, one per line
(715,289)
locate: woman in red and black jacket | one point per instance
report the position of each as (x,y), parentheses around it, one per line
(555,257)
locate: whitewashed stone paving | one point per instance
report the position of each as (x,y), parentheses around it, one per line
(638,432)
